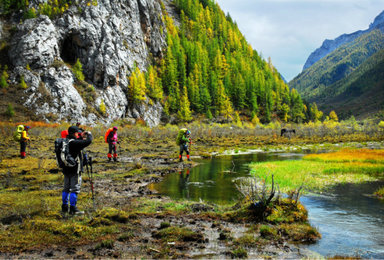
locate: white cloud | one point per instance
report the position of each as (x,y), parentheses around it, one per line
(289,30)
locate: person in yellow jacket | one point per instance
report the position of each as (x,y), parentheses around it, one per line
(23,142)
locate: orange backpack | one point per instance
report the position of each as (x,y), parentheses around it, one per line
(107,133)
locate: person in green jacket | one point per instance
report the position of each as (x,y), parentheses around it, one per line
(184,145)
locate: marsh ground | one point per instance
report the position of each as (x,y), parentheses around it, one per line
(128,219)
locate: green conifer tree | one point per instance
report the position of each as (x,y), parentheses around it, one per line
(136,88)
(184,112)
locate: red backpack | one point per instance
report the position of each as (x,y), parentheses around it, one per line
(107,133)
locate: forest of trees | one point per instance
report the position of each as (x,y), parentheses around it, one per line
(210,69)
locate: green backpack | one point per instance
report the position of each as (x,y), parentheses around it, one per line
(17,134)
(180,135)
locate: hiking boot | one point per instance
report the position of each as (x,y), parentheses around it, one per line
(109,159)
(73,210)
(64,208)
(114,159)
(181,159)
(189,159)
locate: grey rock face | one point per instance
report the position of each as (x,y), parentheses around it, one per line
(109,39)
(329,46)
(35,44)
(150,113)
(67,102)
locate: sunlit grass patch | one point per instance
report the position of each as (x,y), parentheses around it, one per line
(42,232)
(30,171)
(349,155)
(151,206)
(316,175)
(17,205)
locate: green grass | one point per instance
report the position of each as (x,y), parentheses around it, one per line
(173,234)
(316,175)
(380,193)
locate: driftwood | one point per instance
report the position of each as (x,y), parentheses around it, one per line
(294,195)
(259,195)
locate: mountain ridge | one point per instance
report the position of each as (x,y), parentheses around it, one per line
(329,46)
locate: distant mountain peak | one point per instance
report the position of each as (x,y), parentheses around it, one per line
(329,46)
(378,22)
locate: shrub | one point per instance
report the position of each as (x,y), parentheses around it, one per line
(4,79)
(239,252)
(78,70)
(267,231)
(30,13)
(103,108)
(109,244)
(10,111)
(23,85)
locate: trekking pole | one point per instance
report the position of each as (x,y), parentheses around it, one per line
(190,145)
(119,145)
(90,176)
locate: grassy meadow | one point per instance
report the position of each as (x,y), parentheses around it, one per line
(317,172)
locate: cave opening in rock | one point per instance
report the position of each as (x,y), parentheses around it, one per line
(69,49)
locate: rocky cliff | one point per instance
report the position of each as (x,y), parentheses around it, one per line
(329,46)
(110,38)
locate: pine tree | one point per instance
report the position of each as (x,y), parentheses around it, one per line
(153,84)
(184,113)
(314,114)
(136,88)
(223,104)
(333,116)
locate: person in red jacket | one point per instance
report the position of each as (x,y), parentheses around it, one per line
(112,140)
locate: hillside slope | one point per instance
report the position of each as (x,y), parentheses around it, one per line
(360,94)
(318,82)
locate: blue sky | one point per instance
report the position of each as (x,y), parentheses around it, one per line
(288,31)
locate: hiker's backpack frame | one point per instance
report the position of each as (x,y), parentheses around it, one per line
(63,157)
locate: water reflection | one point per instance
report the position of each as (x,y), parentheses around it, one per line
(183,183)
(213,180)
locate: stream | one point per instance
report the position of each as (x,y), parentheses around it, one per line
(350,220)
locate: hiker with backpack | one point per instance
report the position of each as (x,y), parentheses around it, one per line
(69,154)
(184,140)
(111,138)
(21,136)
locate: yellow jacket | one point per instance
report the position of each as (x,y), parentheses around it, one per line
(24,135)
